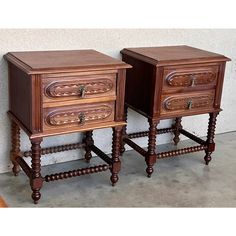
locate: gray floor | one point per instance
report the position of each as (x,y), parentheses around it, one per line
(177,182)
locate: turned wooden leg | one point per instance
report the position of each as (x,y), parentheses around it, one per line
(177,126)
(210,137)
(151,154)
(36,180)
(116,143)
(88,140)
(124,131)
(15,150)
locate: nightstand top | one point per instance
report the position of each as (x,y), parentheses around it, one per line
(171,55)
(39,62)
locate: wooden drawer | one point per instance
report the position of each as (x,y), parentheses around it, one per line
(195,102)
(78,87)
(179,79)
(78,116)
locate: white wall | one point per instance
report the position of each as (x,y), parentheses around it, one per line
(111,41)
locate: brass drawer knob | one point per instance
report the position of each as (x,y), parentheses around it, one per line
(82,91)
(193,80)
(190,104)
(81,118)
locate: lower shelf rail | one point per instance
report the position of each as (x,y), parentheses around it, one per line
(75,173)
(61,148)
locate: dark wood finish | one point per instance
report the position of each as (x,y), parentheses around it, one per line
(219,86)
(184,104)
(183,79)
(192,136)
(61,92)
(79,128)
(60,148)
(151,153)
(173,82)
(88,140)
(146,133)
(210,137)
(15,151)
(116,143)
(41,62)
(173,55)
(20,87)
(79,115)
(36,180)
(124,130)
(78,87)
(136,78)
(101,154)
(136,147)
(120,93)
(24,166)
(75,173)
(36,108)
(167,154)
(177,127)
(181,151)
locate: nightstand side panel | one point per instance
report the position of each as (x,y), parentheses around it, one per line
(20,95)
(219,85)
(139,86)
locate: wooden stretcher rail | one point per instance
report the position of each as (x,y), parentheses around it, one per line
(135,146)
(24,166)
(167,153)
(181,151)
(101,154)
(192,136)
(145,133)
(61,148)
(75,173)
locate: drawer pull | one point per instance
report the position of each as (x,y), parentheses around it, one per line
(81,118)
(82,91)
(193,80)
(190,104)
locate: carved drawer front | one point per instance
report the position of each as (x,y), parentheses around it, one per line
(79,87)
(80,115)
(190,77)
(188,102)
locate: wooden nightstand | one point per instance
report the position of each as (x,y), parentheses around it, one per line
(60,92)
(172,82)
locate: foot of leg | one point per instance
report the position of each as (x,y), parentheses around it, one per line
(210,137)
(207,157)
(36,180)
(151,154)
(149,171)
(114,179)
(36,195)
(16,169)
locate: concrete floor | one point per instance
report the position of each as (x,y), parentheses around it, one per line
(177,182)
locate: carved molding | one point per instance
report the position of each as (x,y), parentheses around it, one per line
(185,79)
(72,116)
(72,88)
(178,103)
